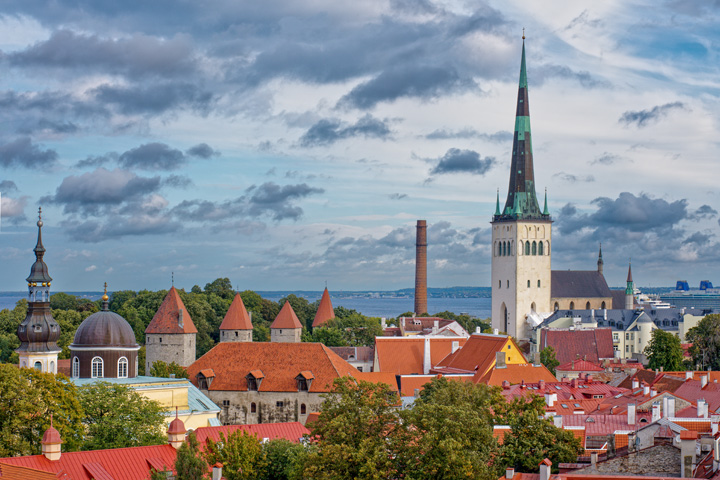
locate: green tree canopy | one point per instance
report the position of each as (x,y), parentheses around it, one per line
(285,459)
(548,358)
(116,416)
(241,454)
(164,370)
(664,351)
(222,287)
(705,339)
(189,463)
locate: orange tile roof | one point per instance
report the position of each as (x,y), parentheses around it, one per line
(499,432)
(286,318)
(388,378)
(279,362)
(579,366)
(119,463)
(325,310)
(237,317)
(167,317)
(292,431)
(404,355)
(14,472)
(515,373)
(478,354)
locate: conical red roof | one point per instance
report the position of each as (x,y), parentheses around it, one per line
(167,318)
(325,310)
(237,317)
(286,318)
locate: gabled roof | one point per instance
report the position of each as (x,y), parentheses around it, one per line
(167,318)
(579,366)
(478,354)
(404,355)
(237,317)
(286,318)
(515,373)
(584,344)
(292,431)
(14,472)
(325,310)
(578,284)
(280,363)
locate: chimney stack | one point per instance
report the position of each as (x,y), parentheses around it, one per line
(427,364)
(217,471)
(631,414)
(545,469)
(421,268)
(51,443)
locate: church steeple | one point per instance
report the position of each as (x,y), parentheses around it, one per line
(522,202)
(600,262)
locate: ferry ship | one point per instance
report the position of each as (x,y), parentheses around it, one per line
(706,297)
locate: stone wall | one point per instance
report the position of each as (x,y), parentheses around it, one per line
(236,408)
(236,335)
(167,347)
(285,335)
(658,461)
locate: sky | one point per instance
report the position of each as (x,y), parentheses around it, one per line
(288,145)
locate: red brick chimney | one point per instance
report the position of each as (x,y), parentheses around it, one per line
(421,268)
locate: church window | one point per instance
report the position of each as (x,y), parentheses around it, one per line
(509,248)
(499,249)
(38,366)
(534,248)
(556,307)
(76,367)
(540,248)
(303,409)
(504,249)
(528,283)
(527,248)
(587,306)
(572,305)
(279,404)
(122,367)
(253,407)
(538,283)
(602,305)
(97,368)
(499,283)
(52,367)
(508,284)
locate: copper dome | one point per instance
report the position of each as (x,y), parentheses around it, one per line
(104,328)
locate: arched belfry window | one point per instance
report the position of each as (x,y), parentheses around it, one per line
(556,307)
(499,249)
(76,367)
(504,249)
(602,305)
(527,248)
(540,248)
(528,283)
(572,305)
(122,368)
(534,248)
(97,368)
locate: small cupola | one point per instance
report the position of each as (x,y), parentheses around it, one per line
(176,432)
(51,443)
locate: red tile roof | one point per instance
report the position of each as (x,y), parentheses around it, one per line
(292,431)
(515,373)
(279,362)
(692,390)
(286,318)
(579,366)
(591,344)
(325,310)
(119,464)
(404,355)
(478,354)
(237,317)
(357,354)
(167,317)
(14,472)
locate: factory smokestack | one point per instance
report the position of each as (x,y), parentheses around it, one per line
(421,268)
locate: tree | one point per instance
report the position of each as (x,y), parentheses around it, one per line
(548,358)
(27,399)
(222,287)
(349,440)
(189,463)
(330,337)
(705,339)
(285,459)
(241,454)
(664,351)
(164,370)
(116,416)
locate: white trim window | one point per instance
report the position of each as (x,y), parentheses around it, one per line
(76,367)
(122,368)
(97,367)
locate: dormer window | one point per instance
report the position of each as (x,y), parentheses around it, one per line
(304,381)
(205,378)
(254,379)
(37,328)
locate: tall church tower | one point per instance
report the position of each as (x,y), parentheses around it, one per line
(39,332)
(521,235)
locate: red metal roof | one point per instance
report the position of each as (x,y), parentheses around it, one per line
(325,310)
(166,319)
(237,317)
(286,318)
(579,366)
(591,344)
(292,431)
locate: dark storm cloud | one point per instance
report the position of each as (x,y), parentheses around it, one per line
(7,186)
(703,213)
(330,130)
(22,152)
(698,238)
(153,156)
(154,99)
(202,150)
(463,161)
(643,118)
(497,137)
(570,178)
(88,193)
(605,159)
(628,213)
(136,56)
(418,81)
(267,200)
(49,126)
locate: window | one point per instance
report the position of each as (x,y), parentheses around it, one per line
(499,283)
(160,339)
(504,249)
(587,306)
(236,334)
(508,283)
(122,368)
(602,305)
(253,407)
(528,283)
(538,283)
(534,248)
(279,404)
(302,385)
(627,348)
(627,336)
(38,366)
(226,403)
(303,409)
(540,248)
(572,305)
(527,248)
(556,307)
(52,367)
(499,249)
(252,383)
(97,368)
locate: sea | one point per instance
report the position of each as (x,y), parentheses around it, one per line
(371,306)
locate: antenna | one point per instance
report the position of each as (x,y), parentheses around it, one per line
(172,276)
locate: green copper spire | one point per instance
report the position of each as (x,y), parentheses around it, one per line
(545,209)
(630,289)
(522,202)
(497,204)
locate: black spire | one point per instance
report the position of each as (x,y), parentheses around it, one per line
(39,271)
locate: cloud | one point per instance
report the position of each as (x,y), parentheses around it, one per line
(397,196)
(137,55)
(13,208)
(703,213)
(643,118)
(698,238)
(605,159)
(22,152)
(202,150)
(7,186)
(153,99)
(463,161)
(91,268)
(97,160)
(89,192)
(153,156)
(543,73)
(417,81)
(570,178)
(331,130)
(177,181)
(117,226)
(497,137)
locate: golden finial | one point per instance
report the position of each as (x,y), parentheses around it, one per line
(105,297)
(523,33)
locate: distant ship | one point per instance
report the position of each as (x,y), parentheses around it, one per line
(706,297)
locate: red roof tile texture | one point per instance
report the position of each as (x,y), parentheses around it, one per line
(404,355)
(478,354)
(286,318)
(514,374)
(167,318)
(579,366)
(325,310)
(13,472)
(280,363)
(237,317)
(292,431)
(591,345)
